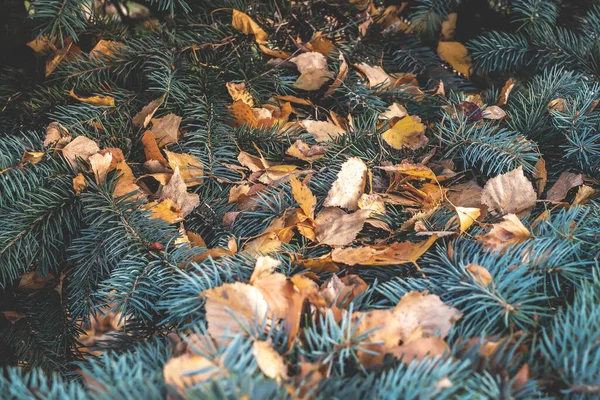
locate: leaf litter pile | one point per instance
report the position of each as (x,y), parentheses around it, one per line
(350,236)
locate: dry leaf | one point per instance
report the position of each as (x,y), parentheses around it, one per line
(302,151)
(269,361)
(419,171)
(420,348)
(455,54)
(336,228)
(393,254)
(238,91)
(191,168)
(33,281)
(166,129)
(310,61)
(176,190)
(151,149)
(393,112)
(349,185)
(13,316)
(466,217)
(95,100)
(243,23)
(341,76)
(510,231)
(408,132)
(105,48)
(340,292)
(100,165)
(584,194)
(67,51)
(557,105)
(79,148)
(376,76)
(505,92)
(41,44)
(183,371)
(494,112)
(144,117)
(509,193)
(541,175)
(449,27)
(480,274)
(565,182)
(304,197)
(166,210)
(55,134)
(264,267)
(373,202)
(322,131)
(233,308)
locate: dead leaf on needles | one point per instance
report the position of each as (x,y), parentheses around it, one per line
(191,168)
(509,193)
(238,91)
(408,132)
(380,255)
(56,135)
(269,361)
(480,274)
(322,131)
(167,210)
(166,129)
(151,149)
(243,23)
(79,148)
(420,348)
(566,181)
(349,185)
(455,54)
(494,112)
(143,118)
(313,71)
(584,194)
(341,76)
(105,48)
(69,50)
(100,165)
(264,267)
(106,101)
(336,228)
(304,197)
(189,369)
(340,292)
(467,216)
(376,76)
(176,190)
(79,183)
(305,152)
(394,112)
(510,231)
(541,175)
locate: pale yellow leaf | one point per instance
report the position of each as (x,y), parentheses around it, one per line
(243,23)
(508,193)
(349,185)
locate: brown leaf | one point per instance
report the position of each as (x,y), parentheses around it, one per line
(182,372)
(376,76)
(55,134)
(233,308)
(302,151)
(505,92)
(100,165)
(455,54)
(340,292)
(494,112)
(12,316)
(480,274)
(144,117)
(541,175)
(393,254)
(565,182)
(313,79)
(151,149)
(166,129)
(449,27)
(349,185)
(33,281)
(105,48)
(521,378)
(584,194)
(510,231)
(310,61)
(238,91)
(79,183)
(336,228)
(394,112)
(176,190)
(191,168)
(79,148)
(243,23)
(341,76)
(466,194)
(269,361)
(264,267)
(95,100)
(322,131)
(420,348)
(508,193)
(69,50)
(304,197)
(41,45)
(408,132)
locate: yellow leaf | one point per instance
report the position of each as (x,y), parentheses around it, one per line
(455,54)
(243,23)
(190,166)
(269,361)
(466,216)
(341,76)
(166,210)
(41,44)
(414,170)
(238,91)
(510,231)
(304,197)
(104,48)
(393,112)
(273,53)
(349,185)
(32,157)
(395,253)
(584,194)
(79,183)
(68,51)
(95,100)
(100,165)
(480,274)
(408,132)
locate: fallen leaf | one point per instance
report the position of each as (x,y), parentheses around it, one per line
(269,361)
(238,91)
(176,190)
(349,185)
(144,117)
(584,194)
(305,152)
(95,100)
(408,132)
(66,52)
(31,157)
(313,79)
(380,255)
(151,149)
(341,76)
(467,216)
(565,182)
(105,48)
(415,170)
(264,267)
(420,348)
(309,61)
(243,23)
(373,202)
(393,112)
(303,197)
(100,165)
(166,129)
(233,308)
(509,193)
(167,210)
(449,26)
(33,281)
(41,44)
(521,378)
(188,370)
(376,76)
(455,54)
(505,92)
(557,105)
(480,274)
(55,134)
(191,168)
(322,131)
(494,112)
(79,148)
(541,175)
(340,292)
(510,231)
(13,316)
(336,228)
